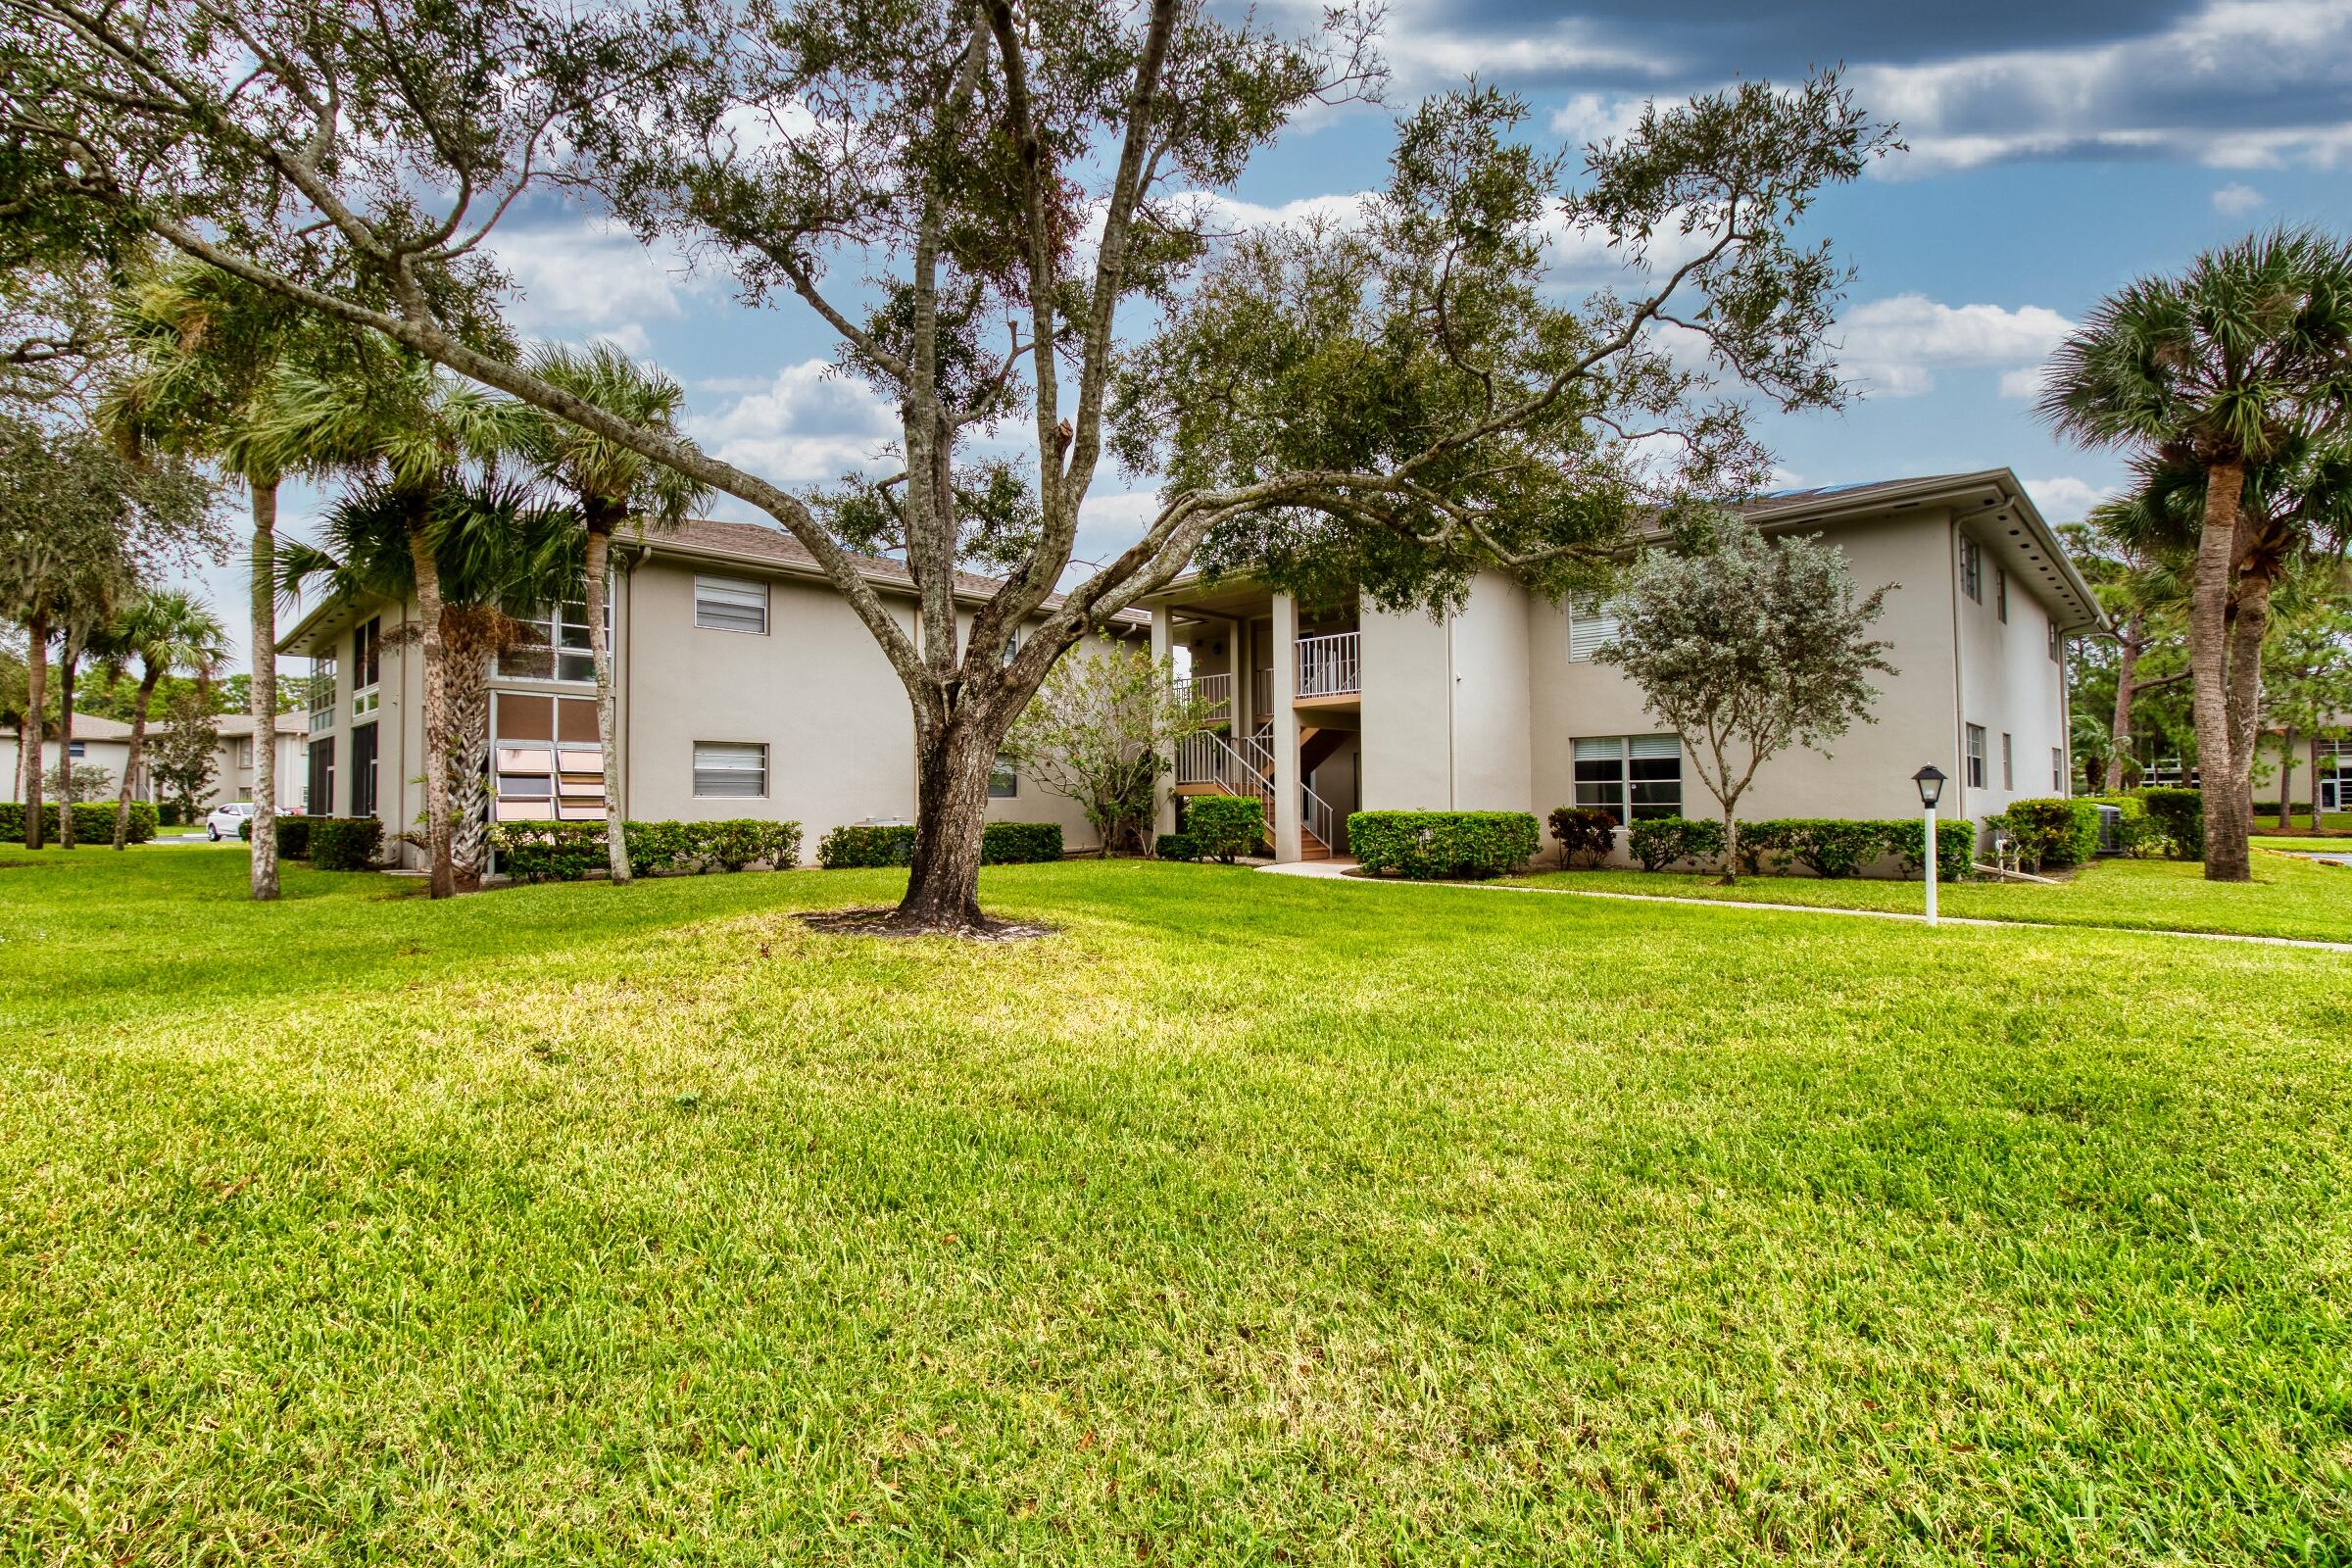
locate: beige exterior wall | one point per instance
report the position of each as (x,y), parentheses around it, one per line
(1407,739)
(234,773)
(2010,685)
(814,689)
(111,754)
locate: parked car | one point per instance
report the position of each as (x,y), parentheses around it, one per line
(227,820)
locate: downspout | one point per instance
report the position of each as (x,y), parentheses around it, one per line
(1452,752)
(1959,732)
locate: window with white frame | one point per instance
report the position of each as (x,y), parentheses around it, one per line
(555,644)
(1592,626)
(2057,770)
(2000,594)
(2008,762)
(1004,781)
(1972,568)
(244,751)
(323,694)
(366,667)
(1975,757)
(730,604)
(730,770)
(547,761)
(2057,643)
(1632,777)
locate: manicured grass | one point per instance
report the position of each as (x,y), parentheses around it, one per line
(2287,898)
(2303,842)
(1246,1220)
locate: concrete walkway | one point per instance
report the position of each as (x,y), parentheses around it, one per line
(1341,868)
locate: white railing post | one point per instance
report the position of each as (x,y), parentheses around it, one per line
(1330,665)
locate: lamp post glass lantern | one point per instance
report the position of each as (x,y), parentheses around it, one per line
(1930,780)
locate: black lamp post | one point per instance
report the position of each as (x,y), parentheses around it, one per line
(1930,780)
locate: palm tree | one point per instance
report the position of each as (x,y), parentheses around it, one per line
(2134,549)
(2223,368)
(495,549)
(611,488)
(168,631)
(205,349)
(415,432)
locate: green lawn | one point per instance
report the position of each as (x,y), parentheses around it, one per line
(2289,897)
(1248,1220)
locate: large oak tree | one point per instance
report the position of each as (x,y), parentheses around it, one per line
(966,195)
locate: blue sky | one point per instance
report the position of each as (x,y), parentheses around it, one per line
(2057,149)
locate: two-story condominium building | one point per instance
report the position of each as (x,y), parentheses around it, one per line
(1500,706)
(744,686)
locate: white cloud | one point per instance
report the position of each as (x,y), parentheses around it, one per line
(2064,498)
(592,279)
(1896,345)
(1587,117)
(2236,201)
(810,426)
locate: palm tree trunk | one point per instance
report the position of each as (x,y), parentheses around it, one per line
(263,694)
(2313,750)
(600,651)
(442,878)
(138,749)
(2227,856)
(71,655)
(469,726)
(2247,631)
(33,733)
(2126,687)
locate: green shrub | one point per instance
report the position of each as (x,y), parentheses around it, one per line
(168,814)
(1176,847)
(2180,816)
(245,830)
(735,842)
(566,851)
(1586,834)
(293,838)
(1827,846)
(1227,825)
(1422,845)
(1955,845)
(2053,832)
(93,822)
(1020,843)
(346,842)
(853,846)
(1658,842)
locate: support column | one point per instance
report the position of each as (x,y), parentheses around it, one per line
(1286,846)
(1163,794)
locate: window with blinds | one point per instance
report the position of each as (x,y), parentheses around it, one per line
(730,770)
(729,603)
(1632,777)
(1592,626)
(547,762)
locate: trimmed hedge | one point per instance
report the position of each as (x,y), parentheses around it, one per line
(1831,847)
(2053,832)
(1175,847)
(1427,845)
(1657,842)
(168,814)
(293,834)
(346,842)
(1020,843)
(1586,833)
(850,846)
(1226,826)
(566,851)
(2180,816)
(1955,845)
(93,821)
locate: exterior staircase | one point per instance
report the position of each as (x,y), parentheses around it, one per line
(1209,763)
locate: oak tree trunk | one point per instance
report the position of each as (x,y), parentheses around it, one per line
(138,747)
(2227,856)
(442,877)
(33,734)
(952,766)
(264,704)
(600,653)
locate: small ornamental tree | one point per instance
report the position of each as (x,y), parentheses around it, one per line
(1096,733)
(187,750)
(1745,646)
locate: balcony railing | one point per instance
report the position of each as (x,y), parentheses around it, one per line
(1331,665)
(1214,692)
